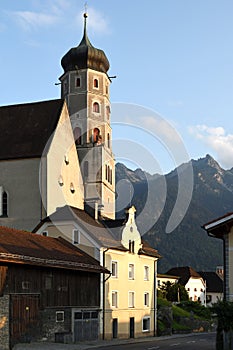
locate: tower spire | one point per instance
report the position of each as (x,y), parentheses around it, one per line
(85,40)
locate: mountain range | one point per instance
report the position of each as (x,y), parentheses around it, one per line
(206,192)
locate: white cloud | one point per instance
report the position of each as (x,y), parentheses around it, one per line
(217,139)
(45,15)
(30,19)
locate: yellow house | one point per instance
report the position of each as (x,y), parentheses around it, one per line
(128,295)
(222,228)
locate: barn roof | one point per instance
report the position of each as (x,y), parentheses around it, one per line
(26,128)
(21,247)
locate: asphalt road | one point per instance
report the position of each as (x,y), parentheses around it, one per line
(192,342)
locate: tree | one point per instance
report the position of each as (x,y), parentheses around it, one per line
(177,292)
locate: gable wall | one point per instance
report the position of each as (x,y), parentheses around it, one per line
(20,178)
(59,194)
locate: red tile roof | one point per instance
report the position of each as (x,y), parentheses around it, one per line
(21,247)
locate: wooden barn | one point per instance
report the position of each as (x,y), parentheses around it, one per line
(49,290)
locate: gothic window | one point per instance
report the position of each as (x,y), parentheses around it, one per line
(77,136)
(96,83)
(96,107)
(4,204)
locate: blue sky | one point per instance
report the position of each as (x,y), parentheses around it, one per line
(172,58)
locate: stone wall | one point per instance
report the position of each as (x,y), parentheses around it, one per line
(4,322)
(53,330)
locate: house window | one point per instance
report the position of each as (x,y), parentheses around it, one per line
(131,246)
(131,299)
(45,233)
(76,237)
(131,271)
(78,82)
(48,282)
(114,269)
(146,299)
(114,299)
(146,324)
(146,273)
(96,107)
(4,204)
(60,316)
(96,83)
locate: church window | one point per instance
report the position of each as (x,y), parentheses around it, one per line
(72,189)
(78,82)
(96,83)
(106,172)
(106,89)
(96,135)
(108,111)
(85,168)
(96,107)
(4,204)
(108,140)
(77,136)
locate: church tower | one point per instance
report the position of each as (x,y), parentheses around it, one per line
(85,86)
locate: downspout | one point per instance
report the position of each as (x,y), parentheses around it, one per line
(155,299)
(104,280)
(224,271)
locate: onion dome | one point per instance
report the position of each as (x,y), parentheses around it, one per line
(85,56)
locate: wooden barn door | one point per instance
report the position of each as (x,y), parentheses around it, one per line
(24,317)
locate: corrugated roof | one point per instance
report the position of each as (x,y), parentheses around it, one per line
(23,247)
(26,128)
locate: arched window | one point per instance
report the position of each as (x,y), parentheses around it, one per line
(108,140)
(96,83)
(77,136)
(4,204)
(96,107)
(96,134)
(106,172)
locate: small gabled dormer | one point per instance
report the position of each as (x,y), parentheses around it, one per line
(131,238)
